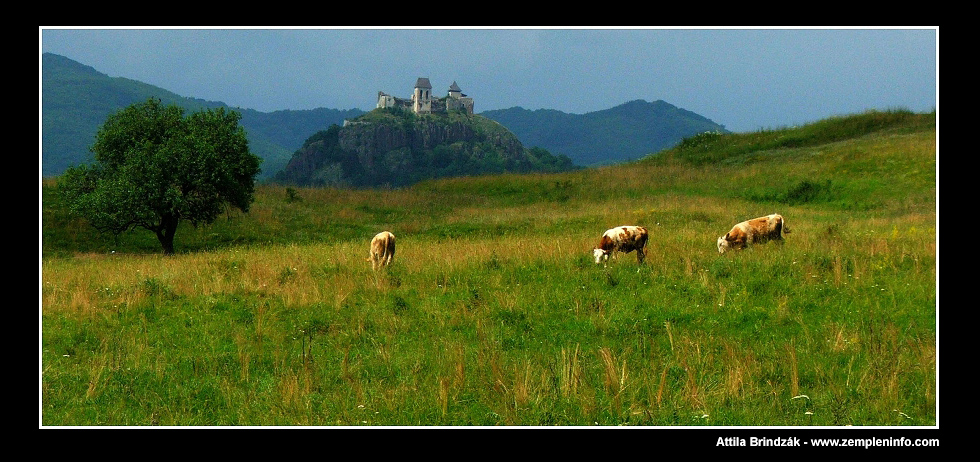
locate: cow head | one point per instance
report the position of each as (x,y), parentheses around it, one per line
(723,243)
(600,255)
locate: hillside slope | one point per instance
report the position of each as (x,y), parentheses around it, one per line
(76,100)
(625,132)
(391,147)
(876,164)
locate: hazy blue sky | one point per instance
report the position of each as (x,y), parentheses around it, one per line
(745,79)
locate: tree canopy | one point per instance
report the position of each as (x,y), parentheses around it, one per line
(155,167)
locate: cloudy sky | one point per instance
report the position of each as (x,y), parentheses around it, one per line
(745,79)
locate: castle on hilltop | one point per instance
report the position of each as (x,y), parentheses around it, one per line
(422,101)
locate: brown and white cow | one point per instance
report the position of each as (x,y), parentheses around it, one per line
(382,250)
(754,231)
(621,239)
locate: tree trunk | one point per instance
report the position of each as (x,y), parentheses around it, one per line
(165,234)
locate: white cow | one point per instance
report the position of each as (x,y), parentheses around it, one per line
(621,239)
(754,231)
(382,250)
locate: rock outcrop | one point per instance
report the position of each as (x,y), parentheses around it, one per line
(395,148)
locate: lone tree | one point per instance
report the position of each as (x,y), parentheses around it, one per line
(154,167)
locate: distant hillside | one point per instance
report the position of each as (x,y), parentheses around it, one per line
(712,148)
(76,100)
(393,147)
(628,131)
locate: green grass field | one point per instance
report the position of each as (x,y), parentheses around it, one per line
(493,312)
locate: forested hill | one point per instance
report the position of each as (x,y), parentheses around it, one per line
(394,147)
(629,131)
(76,100)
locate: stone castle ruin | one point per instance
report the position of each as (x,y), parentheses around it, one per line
(422,101)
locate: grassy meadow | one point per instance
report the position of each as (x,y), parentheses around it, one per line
(493,312)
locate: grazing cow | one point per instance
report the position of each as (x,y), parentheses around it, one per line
(382,250)
(622,239)
(757,230)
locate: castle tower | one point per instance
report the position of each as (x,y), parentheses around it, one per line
(454,91)
(458,100)
(422,97)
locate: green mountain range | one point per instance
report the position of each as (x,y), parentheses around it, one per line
(77,99)
(629,131)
